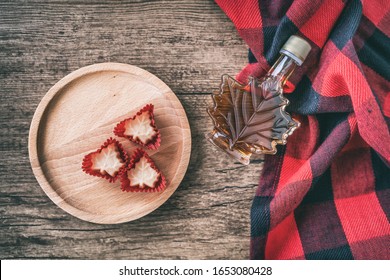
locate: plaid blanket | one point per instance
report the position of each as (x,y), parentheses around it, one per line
(325,195)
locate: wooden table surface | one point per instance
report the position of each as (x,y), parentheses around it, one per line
(187,44)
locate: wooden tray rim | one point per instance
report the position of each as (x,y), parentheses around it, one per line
(44,103)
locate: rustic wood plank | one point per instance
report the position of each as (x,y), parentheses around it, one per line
(188,45)
(207,217)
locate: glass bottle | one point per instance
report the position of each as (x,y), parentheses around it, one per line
(251,119)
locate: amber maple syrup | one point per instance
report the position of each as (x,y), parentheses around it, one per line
(251,119)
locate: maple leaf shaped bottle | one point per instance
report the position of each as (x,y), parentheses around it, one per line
(251,119)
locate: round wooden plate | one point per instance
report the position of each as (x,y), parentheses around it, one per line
(78,114)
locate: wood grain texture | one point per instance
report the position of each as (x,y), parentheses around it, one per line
(78,114)
(188,45)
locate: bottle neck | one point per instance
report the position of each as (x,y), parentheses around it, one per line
(282,69)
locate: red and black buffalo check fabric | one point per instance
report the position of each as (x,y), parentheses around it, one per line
(326,194)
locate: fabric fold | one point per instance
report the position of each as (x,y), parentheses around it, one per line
(325,195)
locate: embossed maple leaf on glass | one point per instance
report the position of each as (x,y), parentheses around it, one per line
(251,119)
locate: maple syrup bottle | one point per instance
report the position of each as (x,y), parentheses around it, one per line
(251,119)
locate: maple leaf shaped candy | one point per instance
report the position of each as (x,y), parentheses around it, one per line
(140,128)
(142,175)
(107,162)
(252,118)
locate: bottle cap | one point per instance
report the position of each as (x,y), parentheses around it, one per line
(296,48)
